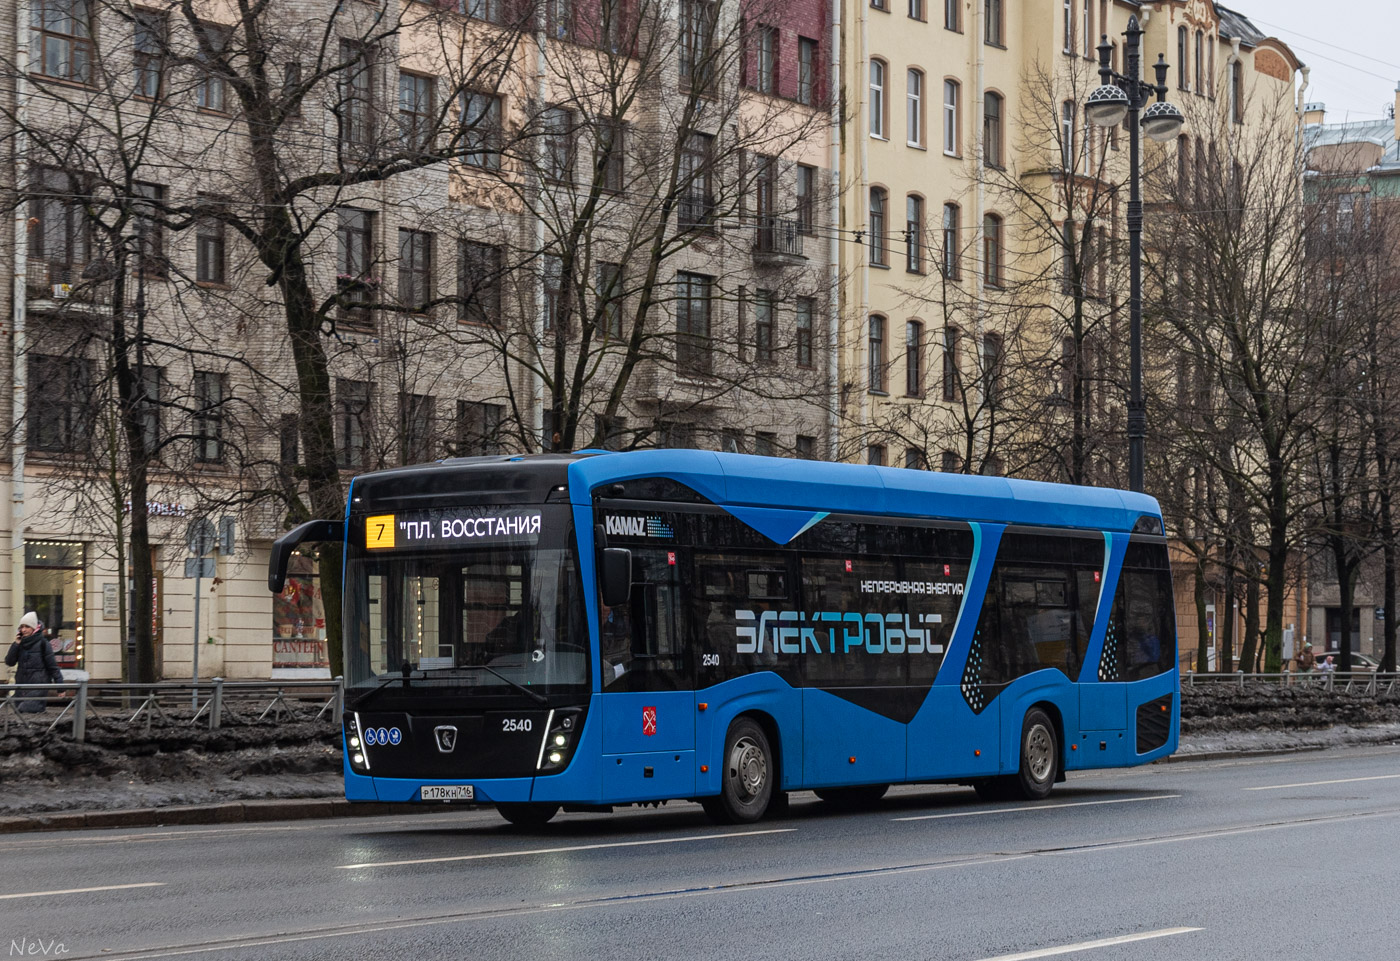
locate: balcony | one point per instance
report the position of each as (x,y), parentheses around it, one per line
(51,285)
(777,241)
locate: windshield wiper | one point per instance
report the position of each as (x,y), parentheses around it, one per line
(368,695)
(537,697)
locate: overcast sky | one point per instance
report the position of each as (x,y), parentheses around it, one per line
(1349,46)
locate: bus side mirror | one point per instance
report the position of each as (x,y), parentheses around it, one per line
(616,576)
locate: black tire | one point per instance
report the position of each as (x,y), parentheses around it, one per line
(527,815)
(746,776)
(1040,757)
(853,798)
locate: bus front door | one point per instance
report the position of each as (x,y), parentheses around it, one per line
(648,710)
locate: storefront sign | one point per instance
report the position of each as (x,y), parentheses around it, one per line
(109,602)
(160,509)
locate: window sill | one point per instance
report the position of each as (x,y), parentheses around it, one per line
(880,266)
(61,81)
(994,44)
(877,136)
(916,146)
(212,285)
(952,155)
(878,393)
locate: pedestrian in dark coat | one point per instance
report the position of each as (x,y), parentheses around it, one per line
(32,657)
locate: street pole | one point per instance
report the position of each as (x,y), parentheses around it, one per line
(1107,106)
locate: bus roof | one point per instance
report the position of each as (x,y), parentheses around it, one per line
(813,487)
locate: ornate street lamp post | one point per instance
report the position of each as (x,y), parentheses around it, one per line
(1119,96)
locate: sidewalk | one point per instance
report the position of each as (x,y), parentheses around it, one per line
(319,795)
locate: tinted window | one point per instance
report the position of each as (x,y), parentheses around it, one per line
(1141,637)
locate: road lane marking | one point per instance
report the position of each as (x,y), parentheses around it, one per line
(1091,945)
(563,850)
(1040,807)
(107,887)
(1342,780)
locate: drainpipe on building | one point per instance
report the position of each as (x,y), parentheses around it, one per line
(19,346)
(541,90)
(833,269)
(978,215)
(863,199)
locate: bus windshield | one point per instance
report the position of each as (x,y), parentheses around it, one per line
(495,617)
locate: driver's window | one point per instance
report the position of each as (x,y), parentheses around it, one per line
(642,643)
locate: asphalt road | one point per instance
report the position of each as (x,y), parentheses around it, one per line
(1293,856)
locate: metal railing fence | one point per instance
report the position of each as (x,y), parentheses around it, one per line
(76,705)
(1374,683)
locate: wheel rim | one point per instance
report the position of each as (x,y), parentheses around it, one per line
(1040,752)
(748,768)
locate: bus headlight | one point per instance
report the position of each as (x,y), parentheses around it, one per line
(359,760)
(558,739)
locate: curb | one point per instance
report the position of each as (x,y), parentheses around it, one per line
(232,812)
(1227,755)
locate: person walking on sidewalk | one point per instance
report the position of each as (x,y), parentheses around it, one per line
(33,660)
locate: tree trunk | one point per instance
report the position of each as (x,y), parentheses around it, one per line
(1202,631)
(1249,648)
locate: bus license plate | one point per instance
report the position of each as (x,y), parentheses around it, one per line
(448,792)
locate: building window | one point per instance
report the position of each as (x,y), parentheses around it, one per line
(950,118)
(766,78)
(806,447)
(1183,68)
(1067,24)
(951,242)
(697,204)
(54,589)
(806,199)
(875,455)
(991,131)
(916,9)
(765,444)
(1200,62)
(608,153)
(914,459)
(914,107)
(416,111)
(353,413)
(1088,29)
(152,36)
(488,10)
(415,269)
(1237,91)
(807,68)
(552,281)
(417,413)
(355,253)
(914,234)
(1210,73)
(60,423)
(356,107)
(608,291)
(875,355)
(60,237)
(63,31)
(288,437)
(147,200)
(991,12)
(478,282)
(557,128)
(478,429)
(877,98)
(952,15)
(951,377)
(559,19)
(992,251)
(914,359)
(763,310)
(481,130)
(1068,111)
(209,391)
(693,346)
(879,253)
(697,18)
(806,311)
(210,252)
(991,369)
(949,462)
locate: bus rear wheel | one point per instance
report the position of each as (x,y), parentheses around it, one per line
(1040,757)
(746,780)
(526,815)
(853,798)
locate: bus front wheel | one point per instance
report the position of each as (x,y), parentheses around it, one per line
(746,780)
(1040,757)
(527,815)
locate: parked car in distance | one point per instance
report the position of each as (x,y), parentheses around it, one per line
(1359,661)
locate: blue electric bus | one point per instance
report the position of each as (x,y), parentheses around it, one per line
(597,629)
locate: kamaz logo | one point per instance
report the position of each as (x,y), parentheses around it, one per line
(637,527)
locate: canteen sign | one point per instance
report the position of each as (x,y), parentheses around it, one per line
(451,527)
